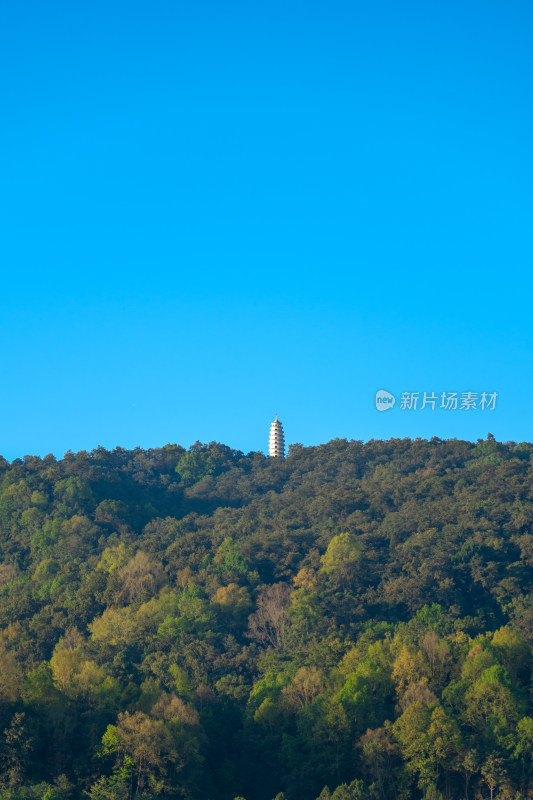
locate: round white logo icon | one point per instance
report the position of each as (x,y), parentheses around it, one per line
(384,400)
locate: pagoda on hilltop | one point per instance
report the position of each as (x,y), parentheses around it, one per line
(276,440)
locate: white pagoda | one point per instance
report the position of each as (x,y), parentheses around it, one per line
(276,440)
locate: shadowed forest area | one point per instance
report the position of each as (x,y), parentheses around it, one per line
(354,622)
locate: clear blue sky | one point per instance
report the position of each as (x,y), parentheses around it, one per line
(214,212)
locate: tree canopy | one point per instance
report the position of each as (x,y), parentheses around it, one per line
(352,622)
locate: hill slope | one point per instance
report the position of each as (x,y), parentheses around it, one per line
(208,624)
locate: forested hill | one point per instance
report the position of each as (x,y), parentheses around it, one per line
(210,625)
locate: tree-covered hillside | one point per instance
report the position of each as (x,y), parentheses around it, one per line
(209,625)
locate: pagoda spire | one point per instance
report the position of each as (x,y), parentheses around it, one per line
(276,440)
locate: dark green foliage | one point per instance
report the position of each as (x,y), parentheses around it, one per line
(352,623)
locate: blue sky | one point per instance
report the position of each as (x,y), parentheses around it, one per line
(212,213)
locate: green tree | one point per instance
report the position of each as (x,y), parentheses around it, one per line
(429,741)
(342,558)
(17,747)
(193,466)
